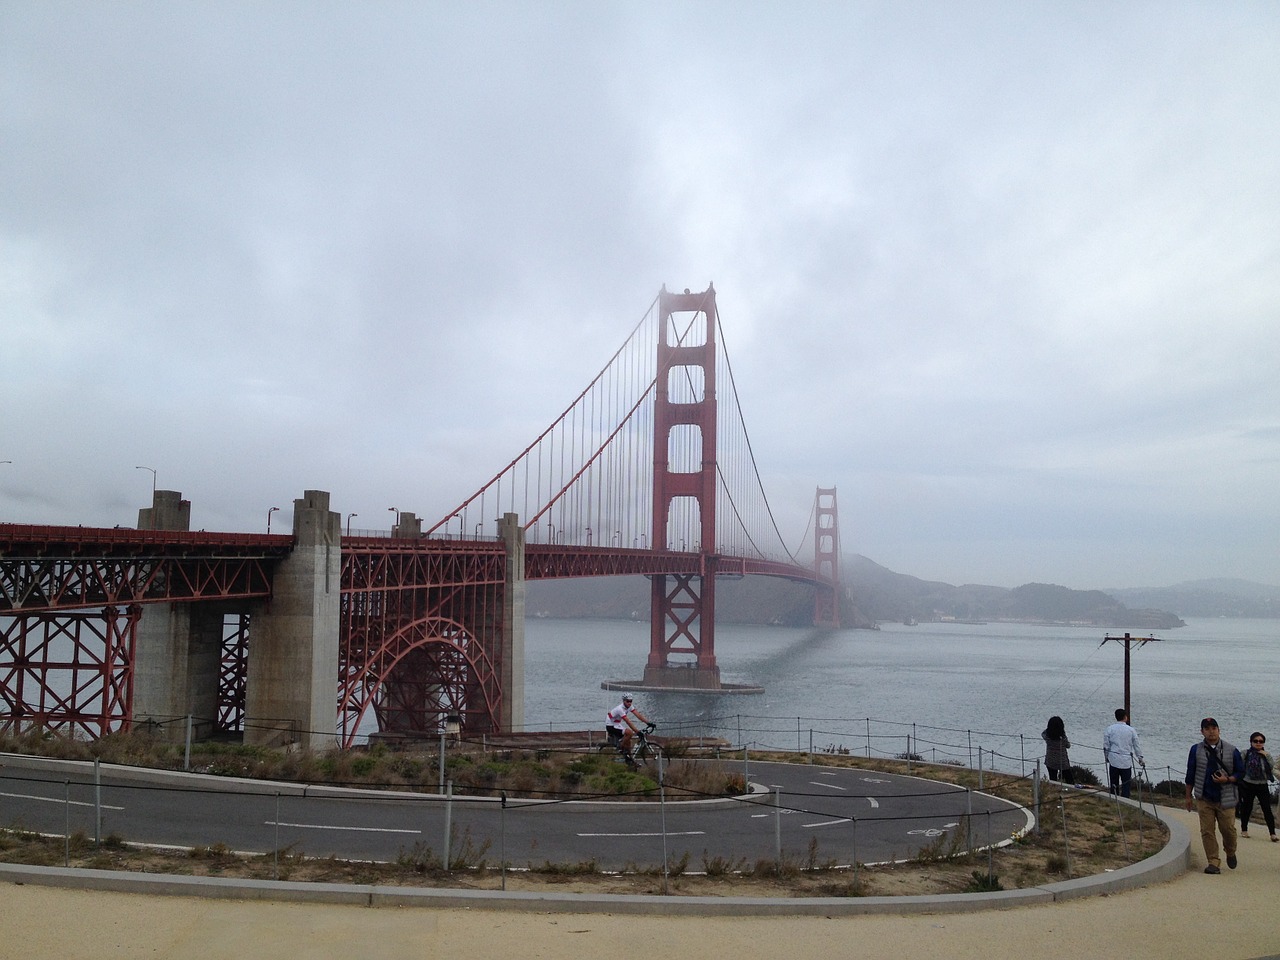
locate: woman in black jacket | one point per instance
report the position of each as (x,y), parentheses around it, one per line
(1056,746)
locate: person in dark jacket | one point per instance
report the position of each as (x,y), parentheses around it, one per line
(1258,772)
(1056,746)
(1214,767)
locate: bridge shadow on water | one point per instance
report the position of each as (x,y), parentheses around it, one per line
(788,662)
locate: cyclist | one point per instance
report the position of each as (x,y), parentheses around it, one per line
(620,728)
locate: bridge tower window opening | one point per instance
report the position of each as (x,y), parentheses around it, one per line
(686,384)
(684,525)
(684,448)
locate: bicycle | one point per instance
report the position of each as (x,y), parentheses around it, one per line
(642,749)
(645,749)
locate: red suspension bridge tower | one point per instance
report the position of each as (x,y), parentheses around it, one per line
(826,559)
(682,607)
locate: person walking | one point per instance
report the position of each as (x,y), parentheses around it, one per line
(1214,767)
(1120,748)
(1056,746)
(1258,772)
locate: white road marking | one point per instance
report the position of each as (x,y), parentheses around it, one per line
(684,833)
(873,801)
(833,786)
(74,803)
(327,826)
(828,823)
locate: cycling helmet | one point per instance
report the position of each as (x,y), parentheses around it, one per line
(626,698)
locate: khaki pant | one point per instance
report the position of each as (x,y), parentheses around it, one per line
(1212,814)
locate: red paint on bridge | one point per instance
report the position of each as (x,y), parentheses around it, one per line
(420,631)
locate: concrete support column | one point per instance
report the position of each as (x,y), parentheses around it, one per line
(168,511)
(408,528)
(291,687)
(178,654)
(513,596)
(176,665)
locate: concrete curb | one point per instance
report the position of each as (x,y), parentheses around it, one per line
(1171,861)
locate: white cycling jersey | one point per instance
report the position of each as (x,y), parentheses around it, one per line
(617,717)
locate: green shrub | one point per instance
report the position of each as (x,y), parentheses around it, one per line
(983,883)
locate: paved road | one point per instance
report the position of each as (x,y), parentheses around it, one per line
(849,814)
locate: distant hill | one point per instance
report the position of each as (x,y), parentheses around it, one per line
(881,594)
(873,593)
(1207,598)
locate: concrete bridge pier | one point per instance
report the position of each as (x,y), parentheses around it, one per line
(292,669)
(177,647)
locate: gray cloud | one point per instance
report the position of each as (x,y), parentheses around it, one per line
(1007,275)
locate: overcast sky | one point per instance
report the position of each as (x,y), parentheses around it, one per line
(1005,274)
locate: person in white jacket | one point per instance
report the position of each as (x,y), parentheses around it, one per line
(1120,749)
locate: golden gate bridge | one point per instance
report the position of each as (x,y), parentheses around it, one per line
(645,473)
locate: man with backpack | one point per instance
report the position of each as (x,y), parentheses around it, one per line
(1214,767)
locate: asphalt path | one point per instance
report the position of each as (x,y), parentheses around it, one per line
(838,815)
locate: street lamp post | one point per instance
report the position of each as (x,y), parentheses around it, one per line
(269,513)
(153,480)
(349,516)
(396,511)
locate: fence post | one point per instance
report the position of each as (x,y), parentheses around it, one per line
(1066,841)
(968,819)
(662,803)
(1124,837)
(777,826)
(991,867)
(186,756)
(502,839)
(97,803)
(442,765)
(66,787)
(1035,796)
(980,781)
(868,738)
(855,852)
(448,821)
(275,854)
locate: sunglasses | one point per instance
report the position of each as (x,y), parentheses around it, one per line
(1257,740)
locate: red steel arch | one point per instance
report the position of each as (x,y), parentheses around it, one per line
(417,676)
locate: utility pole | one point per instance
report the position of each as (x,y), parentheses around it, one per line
(1127,641)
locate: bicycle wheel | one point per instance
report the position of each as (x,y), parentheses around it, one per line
(645,752)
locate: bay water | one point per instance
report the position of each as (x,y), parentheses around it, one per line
(949,690)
